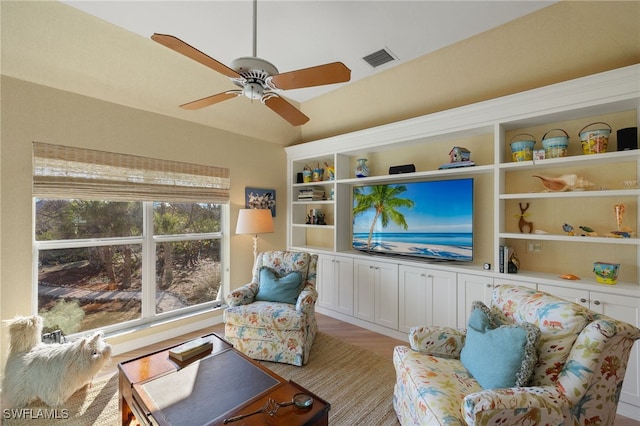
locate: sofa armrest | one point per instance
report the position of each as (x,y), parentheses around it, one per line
(242,295)
(446,342)
(525,405)
(307,299)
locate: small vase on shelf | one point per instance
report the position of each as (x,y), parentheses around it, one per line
(362,170)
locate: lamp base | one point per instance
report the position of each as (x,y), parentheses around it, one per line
(255,247)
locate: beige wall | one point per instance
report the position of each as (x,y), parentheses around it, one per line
(567,40)
(36,113)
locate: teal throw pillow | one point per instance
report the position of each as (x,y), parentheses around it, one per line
(499,357)
(276,288)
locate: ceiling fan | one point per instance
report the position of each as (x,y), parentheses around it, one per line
(257,78)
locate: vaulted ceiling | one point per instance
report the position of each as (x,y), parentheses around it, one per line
(301,34)
(102,49)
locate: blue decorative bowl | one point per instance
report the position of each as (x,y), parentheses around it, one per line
(606,273)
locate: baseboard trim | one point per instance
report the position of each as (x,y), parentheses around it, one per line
(628,410)
(364,324)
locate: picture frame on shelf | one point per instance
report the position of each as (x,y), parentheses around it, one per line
(260,198)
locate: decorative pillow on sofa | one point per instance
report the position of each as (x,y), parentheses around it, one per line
(276,288)
(499,357)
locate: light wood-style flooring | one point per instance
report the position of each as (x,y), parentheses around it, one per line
(353,334)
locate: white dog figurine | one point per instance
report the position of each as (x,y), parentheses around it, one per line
(49,372)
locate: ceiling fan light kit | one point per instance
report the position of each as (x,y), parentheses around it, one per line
(257,78)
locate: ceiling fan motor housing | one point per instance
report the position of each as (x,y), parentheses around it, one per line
(255,73)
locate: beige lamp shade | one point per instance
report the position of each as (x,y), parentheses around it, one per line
(254,221)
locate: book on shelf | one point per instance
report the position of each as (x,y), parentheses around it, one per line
(311,198)
(505,252)
(312,195)
(507,256)
(456,164)
(191,349)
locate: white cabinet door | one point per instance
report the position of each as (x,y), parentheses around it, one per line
(343,270)
(376,292)
(335,283)
(578,296)
(364,290)
(325,282)
(443,298)
(507,280)
(470,289)
(413,290)
(427,297)
(386,295)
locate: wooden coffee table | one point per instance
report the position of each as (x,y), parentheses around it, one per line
(206,390)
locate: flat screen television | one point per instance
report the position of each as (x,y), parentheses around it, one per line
(430,219)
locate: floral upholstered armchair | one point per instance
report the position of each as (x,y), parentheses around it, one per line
(528,358)
(272,318)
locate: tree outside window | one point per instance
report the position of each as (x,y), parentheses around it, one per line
(98,260)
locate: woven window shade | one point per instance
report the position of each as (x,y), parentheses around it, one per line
(67,172)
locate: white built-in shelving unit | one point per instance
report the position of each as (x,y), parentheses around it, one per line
(500,186)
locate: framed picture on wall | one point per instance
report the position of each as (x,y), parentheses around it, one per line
(260,198)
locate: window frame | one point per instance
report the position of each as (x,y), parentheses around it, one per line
(148,242)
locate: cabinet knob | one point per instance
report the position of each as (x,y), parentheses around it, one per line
(596,302)
(489,285)
(583,300)
(423,275)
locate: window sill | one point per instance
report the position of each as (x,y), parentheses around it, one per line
(166,328)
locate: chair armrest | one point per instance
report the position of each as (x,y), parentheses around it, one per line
(307,300)
(446,342)
(242,295)
(525,405)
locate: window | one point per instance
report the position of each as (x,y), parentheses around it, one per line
(120,260)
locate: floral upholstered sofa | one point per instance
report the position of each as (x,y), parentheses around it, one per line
(575,378)
(279,325)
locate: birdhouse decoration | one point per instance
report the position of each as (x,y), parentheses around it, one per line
(458,154)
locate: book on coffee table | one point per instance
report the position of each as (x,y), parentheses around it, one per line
(190,349)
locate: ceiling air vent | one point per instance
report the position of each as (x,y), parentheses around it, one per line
(380,57)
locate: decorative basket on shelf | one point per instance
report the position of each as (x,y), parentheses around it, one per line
(522,150)
(606,273)
(594,141)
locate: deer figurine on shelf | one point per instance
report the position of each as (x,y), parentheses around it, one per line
(522,223)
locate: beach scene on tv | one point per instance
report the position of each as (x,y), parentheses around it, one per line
(431,219)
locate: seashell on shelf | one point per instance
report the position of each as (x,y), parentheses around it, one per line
(562,183)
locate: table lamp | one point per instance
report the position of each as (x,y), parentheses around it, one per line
(254,221)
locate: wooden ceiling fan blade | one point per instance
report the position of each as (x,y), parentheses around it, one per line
(210,100)
(335,72)
(286,110)
(191,52)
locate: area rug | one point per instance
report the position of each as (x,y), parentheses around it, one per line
(96,404)
(358,384)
